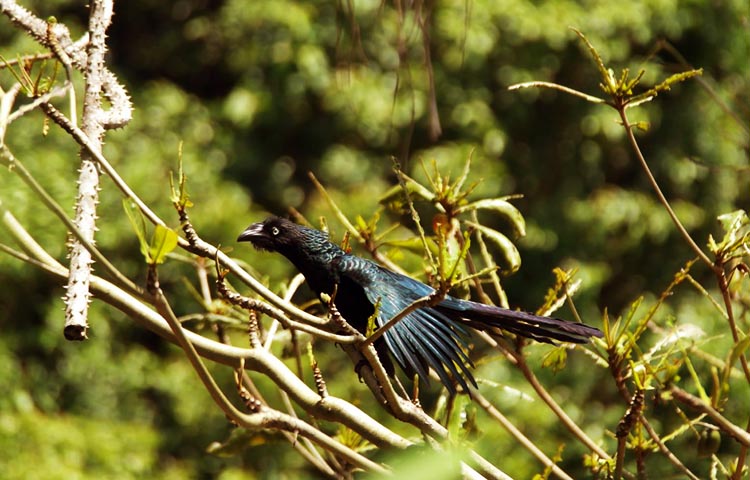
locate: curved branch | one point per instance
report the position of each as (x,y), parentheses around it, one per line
(725,424)
(263,417)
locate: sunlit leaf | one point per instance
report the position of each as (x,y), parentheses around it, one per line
(414,188)
(502,206)
(412,244)
(509,250)
(738,350)
(139,226)
(555,359)
(178,194)
(163,242)
(736,226)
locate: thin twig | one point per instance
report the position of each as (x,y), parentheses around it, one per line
(721,421)
(555,86)
(662,199)
(520,362)
(519,436)
(426,301)
(265,417)
(15,165)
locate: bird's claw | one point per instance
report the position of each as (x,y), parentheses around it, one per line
(358,368)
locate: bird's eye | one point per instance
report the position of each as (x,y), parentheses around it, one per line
(274,231)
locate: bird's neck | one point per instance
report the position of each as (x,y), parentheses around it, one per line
(315,262)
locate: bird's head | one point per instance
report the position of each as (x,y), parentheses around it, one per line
(272,234)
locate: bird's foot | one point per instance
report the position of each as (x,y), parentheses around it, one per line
(359,366)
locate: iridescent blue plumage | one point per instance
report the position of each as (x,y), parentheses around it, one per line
(427,338)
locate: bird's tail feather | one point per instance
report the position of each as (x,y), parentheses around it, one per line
(542,329)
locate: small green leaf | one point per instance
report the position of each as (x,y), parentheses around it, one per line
(555,359)
(179,196)
(666,85)
(631,84)
(413,187)
(163,242)
(733,220)
(510,252)
(606,74)
(139,225)
(501,206)
(353,440)
(458,416)
(372,321)
(738,350)
(736,225)
(412,244)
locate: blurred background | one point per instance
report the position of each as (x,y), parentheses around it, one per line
(261,93)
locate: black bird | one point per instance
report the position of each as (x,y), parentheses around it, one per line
(429,337)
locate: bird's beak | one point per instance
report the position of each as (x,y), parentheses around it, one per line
(252,233)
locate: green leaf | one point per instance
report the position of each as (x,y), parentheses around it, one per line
(396,193)
(412,244)
(460,423)
(163,242)
(179,196)
(738,350)
(501,206)
(609,85)
(555,359)
(510,252)
(372,320)
(737,234)
(139,225)
(733,221)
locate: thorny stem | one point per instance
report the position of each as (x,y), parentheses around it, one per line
(83,140)
(77,297)
(14,164)
(330,408)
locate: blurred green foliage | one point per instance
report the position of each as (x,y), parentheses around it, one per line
(262,92)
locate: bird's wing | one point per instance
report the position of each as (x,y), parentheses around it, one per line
(423,339)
